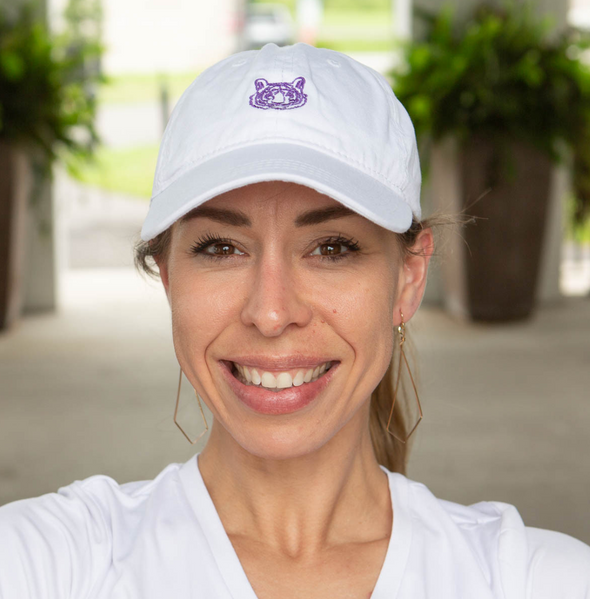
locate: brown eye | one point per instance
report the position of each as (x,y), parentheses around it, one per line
(222,249)
(336,248)
(213,246)
(330,249)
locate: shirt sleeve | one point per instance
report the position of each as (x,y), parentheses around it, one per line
(558,566)
(52,546)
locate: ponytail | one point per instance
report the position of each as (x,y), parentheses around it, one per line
(389,451)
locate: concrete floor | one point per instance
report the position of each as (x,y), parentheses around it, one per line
(92,388)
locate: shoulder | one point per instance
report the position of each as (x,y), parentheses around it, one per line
(59,544)
(516,561)
(559,565)
(93,503)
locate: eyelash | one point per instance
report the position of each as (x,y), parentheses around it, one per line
(199,247)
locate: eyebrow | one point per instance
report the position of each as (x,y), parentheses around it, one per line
(237,218)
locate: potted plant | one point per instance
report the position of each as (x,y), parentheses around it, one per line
(510,94)
(46,111)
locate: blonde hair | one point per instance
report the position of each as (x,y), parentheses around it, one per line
(389,451)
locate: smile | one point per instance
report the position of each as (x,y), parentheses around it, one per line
(278,392)
(278,380)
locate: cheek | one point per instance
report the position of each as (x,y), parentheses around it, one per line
(360,311)
(202,307)
(363,301)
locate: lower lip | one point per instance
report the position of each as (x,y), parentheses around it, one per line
(288,400)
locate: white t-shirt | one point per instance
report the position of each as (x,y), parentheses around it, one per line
(163,538)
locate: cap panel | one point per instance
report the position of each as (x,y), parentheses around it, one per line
(308,115)
(330,119)
(178,112)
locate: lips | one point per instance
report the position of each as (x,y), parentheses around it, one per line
(286,401)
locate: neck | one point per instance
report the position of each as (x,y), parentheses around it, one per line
(303,504)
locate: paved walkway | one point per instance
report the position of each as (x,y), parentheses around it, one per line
(92,388)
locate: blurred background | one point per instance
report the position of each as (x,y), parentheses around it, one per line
(500,97)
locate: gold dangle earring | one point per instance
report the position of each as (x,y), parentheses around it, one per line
(401,329)
(192,442)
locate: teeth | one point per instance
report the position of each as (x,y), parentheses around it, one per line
(283,380)
(255,376)
(268,380)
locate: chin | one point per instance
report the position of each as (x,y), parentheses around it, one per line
(282,443)
(291,423)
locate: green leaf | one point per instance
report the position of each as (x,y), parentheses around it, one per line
(420,107)
(46,95)
(12,65)
(501,71)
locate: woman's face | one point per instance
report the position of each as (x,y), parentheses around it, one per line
(281,279)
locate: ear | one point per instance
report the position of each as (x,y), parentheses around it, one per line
(412,278)
(298,83)
(260,84)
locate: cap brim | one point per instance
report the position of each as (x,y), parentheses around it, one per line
(278,162)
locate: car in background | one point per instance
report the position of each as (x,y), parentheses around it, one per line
(266,23)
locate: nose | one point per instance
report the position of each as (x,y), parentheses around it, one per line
(279,98)
(274,300)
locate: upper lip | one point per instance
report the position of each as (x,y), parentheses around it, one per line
(281,362)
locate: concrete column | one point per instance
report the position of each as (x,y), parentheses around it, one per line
(548,290)
(402,18)
(42,266)
(309,17)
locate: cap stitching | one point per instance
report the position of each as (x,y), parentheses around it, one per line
(311,168)
(313,145)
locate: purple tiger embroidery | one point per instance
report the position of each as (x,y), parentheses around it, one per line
(278,96)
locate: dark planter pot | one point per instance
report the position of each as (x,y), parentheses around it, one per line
(503,257)
(14,190)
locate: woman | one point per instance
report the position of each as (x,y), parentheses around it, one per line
(285,225)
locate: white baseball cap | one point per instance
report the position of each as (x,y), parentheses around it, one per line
(295,113)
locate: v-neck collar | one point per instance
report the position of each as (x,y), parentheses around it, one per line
(230,567)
